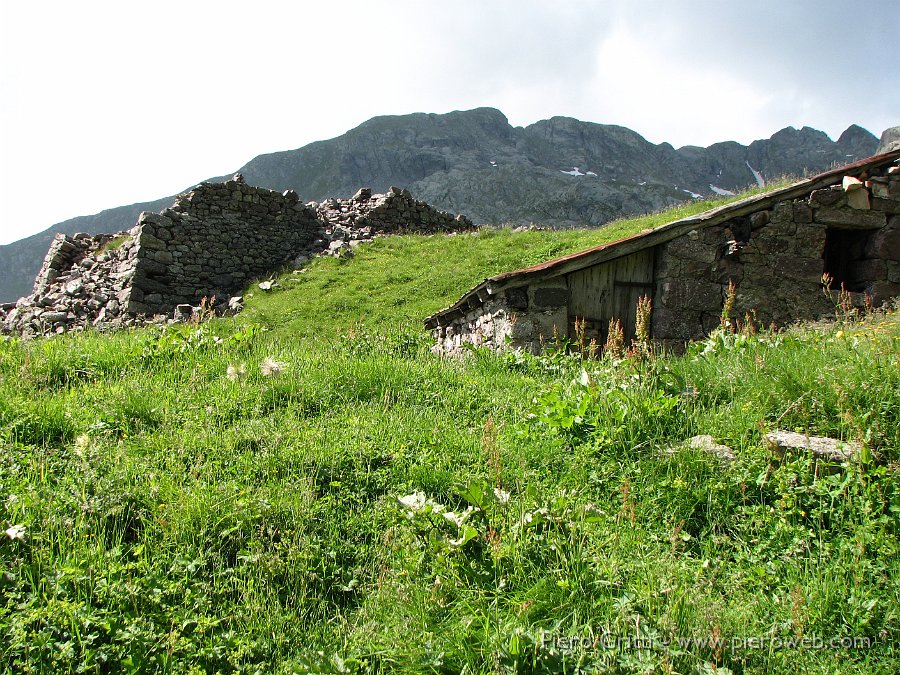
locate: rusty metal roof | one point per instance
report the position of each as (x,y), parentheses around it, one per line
(653,236)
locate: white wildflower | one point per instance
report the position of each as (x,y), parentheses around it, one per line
(459,518)
(501,495)
(270,367)
(82,443)
(418,502)
(235,372)
(414,502)
(16,532)
(455,518)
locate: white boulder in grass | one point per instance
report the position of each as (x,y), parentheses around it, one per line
(707,444)
(821,447)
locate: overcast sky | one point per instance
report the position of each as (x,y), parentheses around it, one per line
(110,103)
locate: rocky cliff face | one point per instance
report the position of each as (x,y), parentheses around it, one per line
(890,140)
(558,172)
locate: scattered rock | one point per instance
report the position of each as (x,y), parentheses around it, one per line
(235,304)
(362,195)
(707,444)
(821,447)
(183,313)
(53,317)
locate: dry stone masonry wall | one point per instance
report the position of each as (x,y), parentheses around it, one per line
(777,257)
(211,243)
(528,317)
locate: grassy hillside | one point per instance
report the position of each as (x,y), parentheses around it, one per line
(398,281)
(305,488)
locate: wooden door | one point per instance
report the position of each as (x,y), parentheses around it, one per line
(610,290)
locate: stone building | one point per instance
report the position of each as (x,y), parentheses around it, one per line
(774,247)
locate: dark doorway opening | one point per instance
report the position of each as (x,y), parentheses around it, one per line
(844,253)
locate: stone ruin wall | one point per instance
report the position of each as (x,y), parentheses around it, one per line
(774,257)
(212,242)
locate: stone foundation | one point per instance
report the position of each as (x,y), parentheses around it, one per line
(526,318)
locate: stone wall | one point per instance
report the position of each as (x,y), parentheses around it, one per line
(85,279)
(527,317)
(776,258)
(212,242)
(489,325)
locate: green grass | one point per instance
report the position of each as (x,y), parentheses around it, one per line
(113,244)
(177,520)
(398,281)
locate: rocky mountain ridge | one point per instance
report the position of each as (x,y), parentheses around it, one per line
(558,172)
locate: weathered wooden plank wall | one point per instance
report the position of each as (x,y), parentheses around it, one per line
(610,290)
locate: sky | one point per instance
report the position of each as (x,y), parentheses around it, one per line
(105,103)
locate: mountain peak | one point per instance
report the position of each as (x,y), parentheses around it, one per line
(890,140)
(854,130)
(856,140)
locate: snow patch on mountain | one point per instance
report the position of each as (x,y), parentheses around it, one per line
(757,175)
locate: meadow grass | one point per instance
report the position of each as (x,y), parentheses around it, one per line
(400,280)
(306,488)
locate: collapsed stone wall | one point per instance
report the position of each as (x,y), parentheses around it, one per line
(776,259)
(211,243)
(84,279)
(394,212)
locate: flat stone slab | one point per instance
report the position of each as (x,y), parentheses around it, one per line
(821,447)
(707,444)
